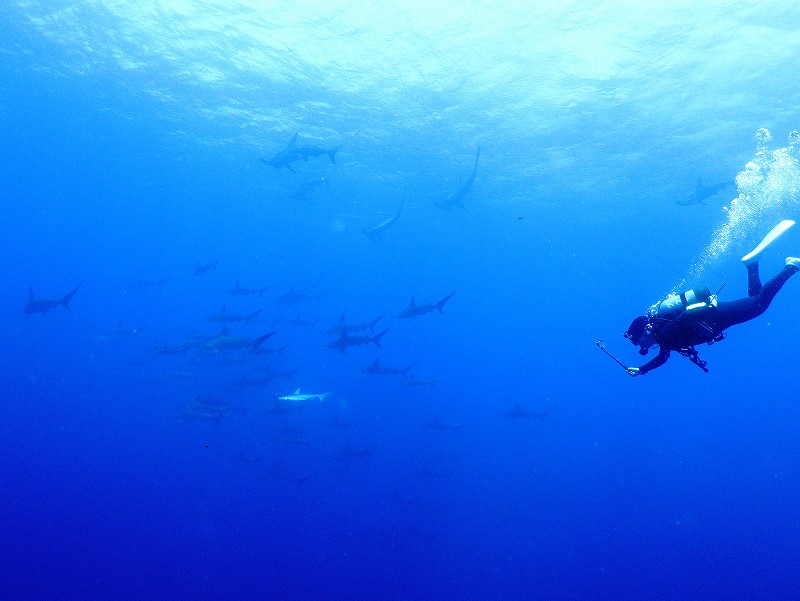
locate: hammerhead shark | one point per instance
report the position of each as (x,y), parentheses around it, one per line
(344,341)
(223,342)
(295,297)
(225,316)
(201,269)
(237,290)
(411,380)
(701,192)
(293,153)
(344,326)
(415,310)
(374,232)
(303,190)
(43,305)
(519,413)
(297,397)
(454,200)
(352,454)
(376,369)
(435,423)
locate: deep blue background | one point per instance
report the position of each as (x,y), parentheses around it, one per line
(675,486)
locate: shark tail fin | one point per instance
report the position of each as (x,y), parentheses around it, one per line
(374,322)
(441,303)
(260,340)
(332,155)
(377,338)
(68,297)
(407,369)
(324,396)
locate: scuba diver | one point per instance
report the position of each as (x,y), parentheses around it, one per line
(680,322)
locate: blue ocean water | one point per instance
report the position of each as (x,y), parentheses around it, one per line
(146,457)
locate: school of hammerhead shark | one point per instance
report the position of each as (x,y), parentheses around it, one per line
(232,349)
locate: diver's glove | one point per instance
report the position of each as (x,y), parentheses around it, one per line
(634,371)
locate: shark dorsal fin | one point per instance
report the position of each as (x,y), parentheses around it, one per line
(377,363)
(293,141)
(30,293)
(342,319)
(413,302)
(298,390)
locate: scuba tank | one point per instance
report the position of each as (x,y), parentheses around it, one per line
(694,301)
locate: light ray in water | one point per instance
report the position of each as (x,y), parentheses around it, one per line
(769,190)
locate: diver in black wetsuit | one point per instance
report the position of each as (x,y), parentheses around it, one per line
(680,322)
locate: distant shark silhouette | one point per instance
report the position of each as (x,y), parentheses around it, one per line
(224,342)
(701,192)
(293,153)
(237,290)
(376,369)
(43,305)
(519,413)
(201,269)
(303,190)
(374,232)
(345,341)
(224,316)
(415,310)
(294,297)
(454,200)
(344,326)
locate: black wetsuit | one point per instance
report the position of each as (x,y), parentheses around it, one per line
(688,328)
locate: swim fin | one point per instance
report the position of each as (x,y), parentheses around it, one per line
(773,235)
